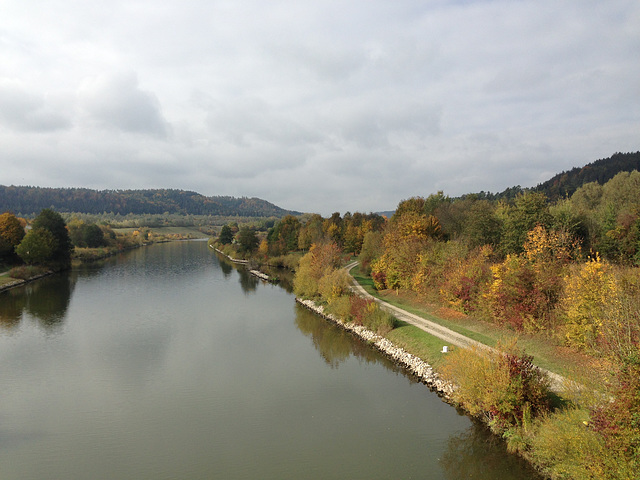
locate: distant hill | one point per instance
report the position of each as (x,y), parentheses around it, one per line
(30,200)
(566,183)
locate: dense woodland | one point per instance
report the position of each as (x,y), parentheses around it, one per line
(565,270)
(25,201)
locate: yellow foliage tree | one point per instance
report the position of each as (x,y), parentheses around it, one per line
(588,291)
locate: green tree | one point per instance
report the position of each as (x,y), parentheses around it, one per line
(11,234)
(54,223)
(483,227)
(93,236)
(226,235)
(85,235)
(311,232)
(529,209)
(247,240)
(283,237)
(37,247)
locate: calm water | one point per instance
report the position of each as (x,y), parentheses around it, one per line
(168,363)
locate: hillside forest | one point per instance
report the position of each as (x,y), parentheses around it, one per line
(26,201)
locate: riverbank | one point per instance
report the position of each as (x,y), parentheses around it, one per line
(79,257)
(229,257)
(416,366)
(18,282)
(255,273)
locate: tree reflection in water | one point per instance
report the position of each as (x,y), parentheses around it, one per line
(476,453)
(226,267)
(46,300)
(336,345)
(248,282)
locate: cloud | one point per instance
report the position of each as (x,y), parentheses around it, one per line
(317,106)
(117,102)
(27,111)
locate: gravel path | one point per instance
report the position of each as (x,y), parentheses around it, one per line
(558,382)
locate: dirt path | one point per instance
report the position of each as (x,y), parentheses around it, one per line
(558,382)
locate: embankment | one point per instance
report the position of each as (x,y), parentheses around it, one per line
(416,366)
(256,273)
(19,282)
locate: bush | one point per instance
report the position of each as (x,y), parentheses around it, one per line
(26,272)
(564,447)
(367,312)
(500,386)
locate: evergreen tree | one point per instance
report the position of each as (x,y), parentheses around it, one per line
(226,235)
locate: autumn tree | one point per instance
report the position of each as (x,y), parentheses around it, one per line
(406,238)
(321,260)
(11,234)
(311,232)
(332,228)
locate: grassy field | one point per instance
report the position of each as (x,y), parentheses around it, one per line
(547,352)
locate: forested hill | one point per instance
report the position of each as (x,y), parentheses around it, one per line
(601,171)
(566,183)
(30,200)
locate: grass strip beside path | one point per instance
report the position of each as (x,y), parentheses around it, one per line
(546,353)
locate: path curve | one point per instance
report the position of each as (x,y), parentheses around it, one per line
(558,382)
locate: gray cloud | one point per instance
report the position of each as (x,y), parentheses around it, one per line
(26,111)
(317,106)
(116,101)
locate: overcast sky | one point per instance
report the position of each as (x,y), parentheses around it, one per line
(314,105)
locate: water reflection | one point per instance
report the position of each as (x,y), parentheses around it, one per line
(334,344)
(476,453)
(226,266)
(248,282)
(46,300)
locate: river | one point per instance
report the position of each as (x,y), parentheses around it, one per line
(169,363)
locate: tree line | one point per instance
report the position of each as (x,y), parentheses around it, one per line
(29,200)
(49,243)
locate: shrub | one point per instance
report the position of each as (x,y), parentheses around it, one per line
(618,421)
(501,386)
(563,446)
(334,285)
(26,272)
(367,312)
(378,320)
